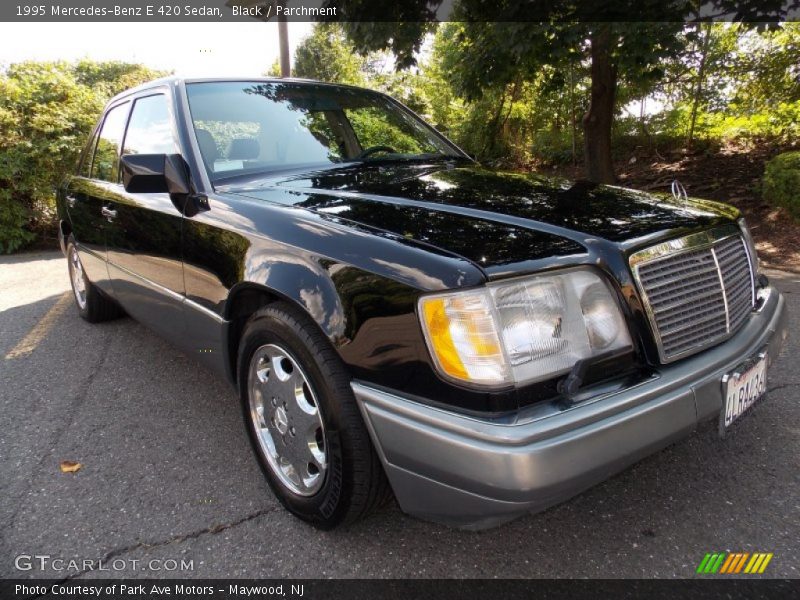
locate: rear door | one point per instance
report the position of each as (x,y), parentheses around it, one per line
(86,194)
(144,230)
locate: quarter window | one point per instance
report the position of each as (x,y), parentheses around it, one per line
(150,128)
(86,162)
(106,157)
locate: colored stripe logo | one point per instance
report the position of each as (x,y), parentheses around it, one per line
(729,563)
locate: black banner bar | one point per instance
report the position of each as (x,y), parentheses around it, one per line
(397,10)
(394,589)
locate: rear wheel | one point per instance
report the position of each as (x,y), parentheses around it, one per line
(303,421)
(92,304)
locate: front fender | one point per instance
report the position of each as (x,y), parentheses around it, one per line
(298,279)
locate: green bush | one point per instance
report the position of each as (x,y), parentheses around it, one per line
(782,182)
(14,218)
(46,113)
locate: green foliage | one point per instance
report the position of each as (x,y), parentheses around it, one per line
(373,129)
(13,217)
(720,82)
(780,124)
(509,124)
(399,31)
(503,52)
(766,68)
(781,184)
(533,115)
(326,55)
(274,70)
(110,78)
(46,113)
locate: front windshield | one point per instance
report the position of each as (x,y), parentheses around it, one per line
(247,127)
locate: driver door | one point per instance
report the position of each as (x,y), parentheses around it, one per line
(144,231)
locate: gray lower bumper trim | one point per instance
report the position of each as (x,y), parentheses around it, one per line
(476,473)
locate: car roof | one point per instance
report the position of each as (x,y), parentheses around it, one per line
(175,80)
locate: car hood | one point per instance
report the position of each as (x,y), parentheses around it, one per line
(497,220)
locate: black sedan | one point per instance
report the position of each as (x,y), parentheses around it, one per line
(397,318)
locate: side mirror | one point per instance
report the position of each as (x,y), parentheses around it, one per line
(154,174)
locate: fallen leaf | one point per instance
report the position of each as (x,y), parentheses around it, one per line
(70,466)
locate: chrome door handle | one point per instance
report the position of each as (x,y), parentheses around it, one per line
(108,213)
(71,200)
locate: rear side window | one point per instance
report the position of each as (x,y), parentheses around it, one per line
(85,169)
(150,128)
(106,157)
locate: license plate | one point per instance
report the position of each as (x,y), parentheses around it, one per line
(743,387)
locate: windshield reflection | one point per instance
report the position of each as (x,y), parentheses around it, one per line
(256,127)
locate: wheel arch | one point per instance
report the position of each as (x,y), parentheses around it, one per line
(247,297)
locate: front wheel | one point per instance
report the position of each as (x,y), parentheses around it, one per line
(303,421)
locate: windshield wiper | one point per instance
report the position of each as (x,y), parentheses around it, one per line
(421,158)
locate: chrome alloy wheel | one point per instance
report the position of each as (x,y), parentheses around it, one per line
(286,420)
(78,281)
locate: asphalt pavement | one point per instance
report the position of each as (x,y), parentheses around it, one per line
(168,485)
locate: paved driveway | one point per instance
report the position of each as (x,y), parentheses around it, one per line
(168,475)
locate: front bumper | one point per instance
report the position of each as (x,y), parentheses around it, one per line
(475,473)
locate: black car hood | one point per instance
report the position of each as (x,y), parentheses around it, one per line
(494,219)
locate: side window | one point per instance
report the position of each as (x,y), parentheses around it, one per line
(85,169)
(106,157)
(150,128)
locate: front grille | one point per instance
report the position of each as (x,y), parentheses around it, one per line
(697,290)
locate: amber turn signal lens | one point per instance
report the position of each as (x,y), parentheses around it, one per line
(462,337)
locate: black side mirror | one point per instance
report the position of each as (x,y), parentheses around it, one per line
(154,174)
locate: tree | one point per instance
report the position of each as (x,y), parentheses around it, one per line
(496,53)
(768,67)
(274,70)
(501,53)
(46,113)
(326,55)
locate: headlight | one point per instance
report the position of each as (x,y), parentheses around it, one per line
(524,330)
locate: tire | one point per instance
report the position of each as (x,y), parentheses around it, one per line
(92,305)
(292,385)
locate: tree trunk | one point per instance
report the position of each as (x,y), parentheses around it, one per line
(573,120)
(283,42)
(698,89)
(643,124)
(598,119)
(491,143)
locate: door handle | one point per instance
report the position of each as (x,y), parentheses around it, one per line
(71,200)
(108,213)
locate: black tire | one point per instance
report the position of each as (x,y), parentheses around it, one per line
(96,307)
(354,483)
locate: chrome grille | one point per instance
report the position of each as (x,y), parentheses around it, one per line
(697,290)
